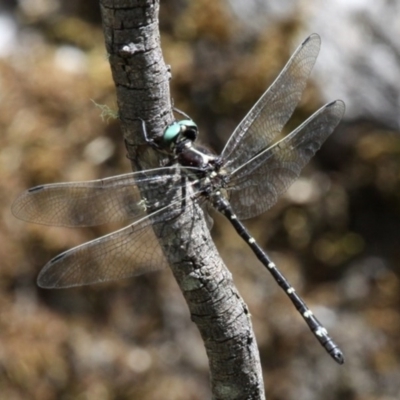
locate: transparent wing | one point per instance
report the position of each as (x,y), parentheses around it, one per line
(125,253)
(257,185)
(99,201)
(271,112)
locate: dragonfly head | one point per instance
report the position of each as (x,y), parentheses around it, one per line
(180,131)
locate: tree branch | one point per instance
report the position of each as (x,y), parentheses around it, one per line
(142,83)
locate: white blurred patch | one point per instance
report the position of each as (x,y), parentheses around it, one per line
(303,191)
(99,150)
(8,35)
(328,315)
(308,189)
(70,59)
(139,360)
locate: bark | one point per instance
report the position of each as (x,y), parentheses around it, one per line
(142,84)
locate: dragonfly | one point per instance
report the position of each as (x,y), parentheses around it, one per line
(255,167)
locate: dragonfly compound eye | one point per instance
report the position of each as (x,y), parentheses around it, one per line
(172,132)
(179,131)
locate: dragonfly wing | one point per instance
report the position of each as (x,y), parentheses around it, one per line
(257,185)
(128,252)
(96,202)
(271,112)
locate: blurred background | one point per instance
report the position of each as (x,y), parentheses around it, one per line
(335,234)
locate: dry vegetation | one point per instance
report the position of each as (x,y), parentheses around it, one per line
(338,242)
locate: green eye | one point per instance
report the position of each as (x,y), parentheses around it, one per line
(186,127)
(171,132)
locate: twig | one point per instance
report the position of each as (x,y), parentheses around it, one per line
(142,83)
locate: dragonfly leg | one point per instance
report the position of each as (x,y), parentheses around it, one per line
(178,111)
(148,140)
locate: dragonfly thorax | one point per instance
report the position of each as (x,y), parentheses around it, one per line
(190,155)
(179,137)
